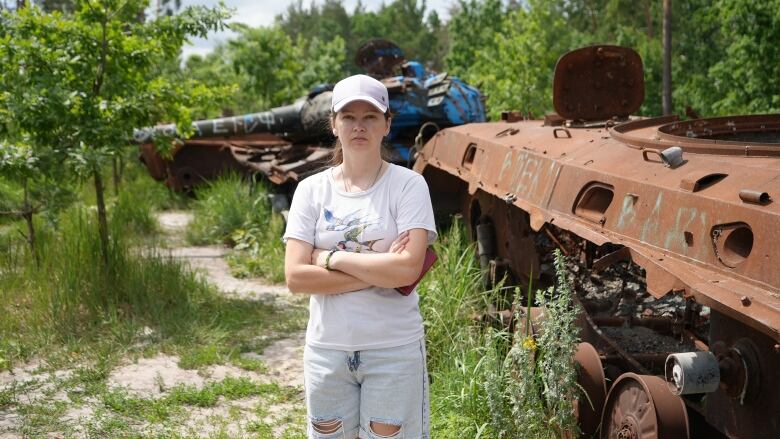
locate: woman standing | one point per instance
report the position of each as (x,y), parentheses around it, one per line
(355,232)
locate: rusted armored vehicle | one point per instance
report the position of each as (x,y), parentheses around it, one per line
(284,144)
(671,234)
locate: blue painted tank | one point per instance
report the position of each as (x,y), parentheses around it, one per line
(286,143)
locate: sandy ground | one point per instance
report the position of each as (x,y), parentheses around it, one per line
(151,377)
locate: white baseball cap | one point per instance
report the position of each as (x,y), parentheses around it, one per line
(359,88)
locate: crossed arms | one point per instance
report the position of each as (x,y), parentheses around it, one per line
(304,266)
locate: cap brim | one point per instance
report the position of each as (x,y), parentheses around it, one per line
(339,105)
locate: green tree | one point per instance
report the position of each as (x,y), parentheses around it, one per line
(18,164)
(406,22)
(726,62)
(511,50)
(472,29)
(324,61)
(513,62)
(263,68)
(215,70)
(635,24)
(78,84)
(270,64)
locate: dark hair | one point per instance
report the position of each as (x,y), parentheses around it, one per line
(337,154)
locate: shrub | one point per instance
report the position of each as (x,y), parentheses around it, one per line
(222,207)
(232,211)
(488,382)
(531,392)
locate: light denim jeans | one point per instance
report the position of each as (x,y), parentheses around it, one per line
(346,391)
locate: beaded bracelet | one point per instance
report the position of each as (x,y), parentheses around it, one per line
(327,259)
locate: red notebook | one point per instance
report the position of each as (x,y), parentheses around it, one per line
(430,259)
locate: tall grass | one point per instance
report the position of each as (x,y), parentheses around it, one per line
(231,211)
(71,300)
(153,194)
(10,199)
(488,382)
(450,295)
(221,207)
(70,291)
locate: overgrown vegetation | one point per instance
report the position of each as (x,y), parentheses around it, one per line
(67,301)
(532,388)
(65,311)
(75,85)
(232,211)
(488,382)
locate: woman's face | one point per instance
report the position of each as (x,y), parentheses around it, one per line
(360,126)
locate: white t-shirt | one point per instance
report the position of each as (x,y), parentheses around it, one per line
(325,216)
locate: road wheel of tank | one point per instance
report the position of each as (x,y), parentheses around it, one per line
(642,407)
(590,377)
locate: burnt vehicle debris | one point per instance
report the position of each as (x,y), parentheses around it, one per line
(669,229)
(285,144)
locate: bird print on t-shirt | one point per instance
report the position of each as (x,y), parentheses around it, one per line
(337,224)
(352,236)
(353,225)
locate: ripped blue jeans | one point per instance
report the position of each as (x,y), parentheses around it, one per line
(349,393)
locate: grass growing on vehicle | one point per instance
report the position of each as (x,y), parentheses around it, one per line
(487,384)
(232,211)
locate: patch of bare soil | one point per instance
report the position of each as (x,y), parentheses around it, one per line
(153,377)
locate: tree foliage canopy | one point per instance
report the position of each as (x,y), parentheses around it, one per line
(73,86)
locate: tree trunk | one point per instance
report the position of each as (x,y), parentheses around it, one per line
(101,212)
(27,213)
(649,19)
(115,167)
(666,98)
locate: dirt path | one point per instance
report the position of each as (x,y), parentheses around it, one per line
(284,357)
(264,416)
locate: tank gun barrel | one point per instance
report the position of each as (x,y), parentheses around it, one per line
(285,120)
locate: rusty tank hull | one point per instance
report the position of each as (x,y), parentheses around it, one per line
(670,229)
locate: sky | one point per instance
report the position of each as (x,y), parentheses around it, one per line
(262,13)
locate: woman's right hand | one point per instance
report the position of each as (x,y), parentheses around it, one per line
(400,243)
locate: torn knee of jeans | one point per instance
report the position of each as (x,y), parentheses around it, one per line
(385,428)
(326,427)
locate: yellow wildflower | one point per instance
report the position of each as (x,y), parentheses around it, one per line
(529,343)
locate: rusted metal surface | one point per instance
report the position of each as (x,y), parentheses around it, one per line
(690,202)
(273,143)
(602,190)
(748,136)
(582,76)
(590,377)
(641,407)
(747,404)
